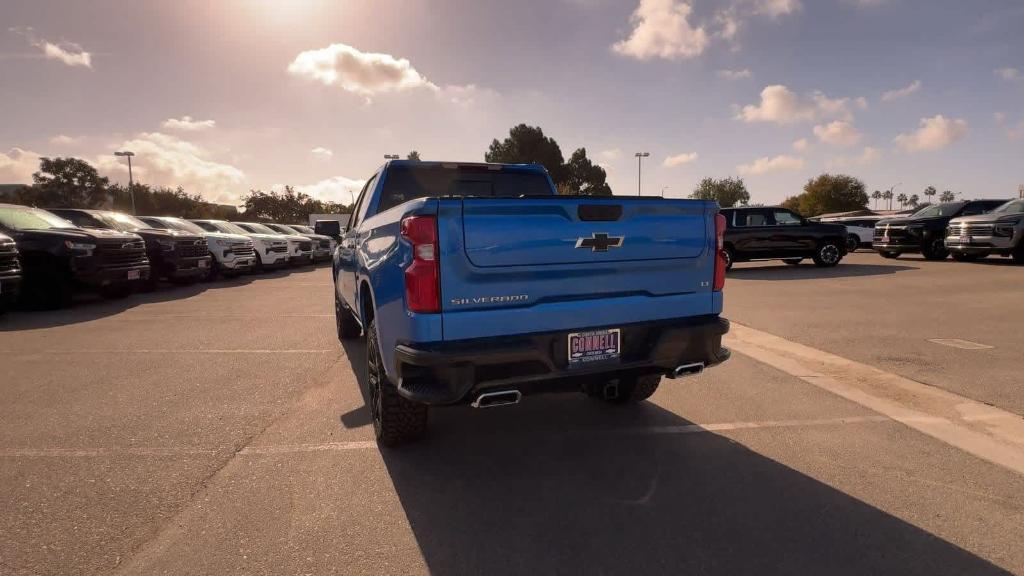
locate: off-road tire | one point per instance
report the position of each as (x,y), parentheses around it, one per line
(852,243)
(635,389)
(934,250)
(730,257)
(47,289)
(396,420)
(827,255)
(793,261)
(1018,253)
(215,272)
(348,327)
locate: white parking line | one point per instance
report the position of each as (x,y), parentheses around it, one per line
(961,344)
(979,429)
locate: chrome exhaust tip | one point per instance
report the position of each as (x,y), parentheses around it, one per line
(501,398)
(684,370)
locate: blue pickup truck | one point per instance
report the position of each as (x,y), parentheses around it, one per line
(477,284)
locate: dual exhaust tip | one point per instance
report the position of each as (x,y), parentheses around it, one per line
(510,397)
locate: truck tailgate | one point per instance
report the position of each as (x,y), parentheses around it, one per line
(515,265)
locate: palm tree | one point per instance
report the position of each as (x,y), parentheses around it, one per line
(902,199)
(876,196)
(914,200)
(947,196)
(929,192)
(887,195)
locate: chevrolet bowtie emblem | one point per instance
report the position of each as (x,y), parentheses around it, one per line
(600,242)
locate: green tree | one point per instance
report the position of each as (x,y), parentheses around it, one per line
(902,199)
(65,183)
(876,196)
(414,155)
(583,177)
(929,192)
(887,195)
(914,200)
(528,145)
(829,193)
(728,192)
(947,196)
(287,206)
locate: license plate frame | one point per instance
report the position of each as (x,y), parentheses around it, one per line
(203,264)
(134,274)
(590,346)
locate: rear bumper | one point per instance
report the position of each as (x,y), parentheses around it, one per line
(454,372)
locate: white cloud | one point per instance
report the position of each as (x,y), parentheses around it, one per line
(838,133)
(610,155)
(898,93)
(781,163)
(934,133)
(802,145)
(734,74)
(17,166)
(728,22)
(336,189)
(322,153)
(661,29)
(67,52)
(363,73)
(781,105)
(1013,132)
(165,160)
(776,8)
(868,156)
(680,159)
(1008,74)
(64,140)
(188,124)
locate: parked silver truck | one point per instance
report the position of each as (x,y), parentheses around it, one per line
(1000,231)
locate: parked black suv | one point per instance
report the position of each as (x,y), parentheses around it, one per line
(173,254)
(771,233)
(10,272)
(924,231)
(57,257)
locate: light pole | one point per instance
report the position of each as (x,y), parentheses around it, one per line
(391,156)
(131,182)
(639,162)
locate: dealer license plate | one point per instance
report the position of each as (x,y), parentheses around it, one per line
(595,346)
(134,274)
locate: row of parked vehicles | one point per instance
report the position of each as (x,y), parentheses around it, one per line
(966,230)
(48,255)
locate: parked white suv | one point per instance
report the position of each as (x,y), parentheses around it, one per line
(323,246)
(300,248)
(860,230)
(232,253)
(271,249)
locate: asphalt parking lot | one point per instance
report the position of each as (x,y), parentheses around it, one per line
(222,429)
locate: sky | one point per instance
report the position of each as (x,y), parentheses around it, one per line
(225,96)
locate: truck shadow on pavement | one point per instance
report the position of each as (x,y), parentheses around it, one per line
(89,307)
(806,271)
(568,485)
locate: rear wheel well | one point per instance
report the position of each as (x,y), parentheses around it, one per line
(839,241)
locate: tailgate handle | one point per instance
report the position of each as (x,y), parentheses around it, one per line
(599,212)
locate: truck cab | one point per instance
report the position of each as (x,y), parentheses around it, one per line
(476,284)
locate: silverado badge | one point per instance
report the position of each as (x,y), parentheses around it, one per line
(600,242)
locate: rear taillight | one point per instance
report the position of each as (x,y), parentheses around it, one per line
(422,277)
(719,253)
